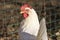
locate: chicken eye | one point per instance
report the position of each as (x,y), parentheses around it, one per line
(27,10)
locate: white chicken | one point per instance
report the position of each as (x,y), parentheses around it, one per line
(42,34)
(30,25)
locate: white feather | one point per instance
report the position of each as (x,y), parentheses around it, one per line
(30,26)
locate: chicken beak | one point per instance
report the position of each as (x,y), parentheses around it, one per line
(21,12)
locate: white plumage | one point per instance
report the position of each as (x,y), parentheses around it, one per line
(30,26)
(42,35)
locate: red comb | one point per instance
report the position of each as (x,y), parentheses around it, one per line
(25,6)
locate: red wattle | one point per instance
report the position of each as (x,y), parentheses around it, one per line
(25,15)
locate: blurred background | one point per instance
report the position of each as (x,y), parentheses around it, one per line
(10,18)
